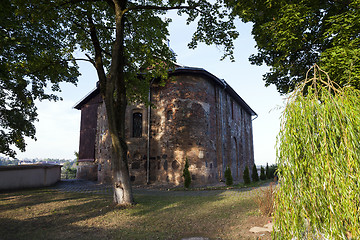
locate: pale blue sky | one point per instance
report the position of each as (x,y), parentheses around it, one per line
(59,124)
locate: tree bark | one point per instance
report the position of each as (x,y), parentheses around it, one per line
(113,91)
(114,94)
(121,179)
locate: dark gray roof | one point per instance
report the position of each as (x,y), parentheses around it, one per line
(218,81)
(87,98)
(186,70)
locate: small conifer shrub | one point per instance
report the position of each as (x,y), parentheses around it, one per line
(186,175)
(228,177)
(246,175)
(262,174)
(254,174)
(268,173)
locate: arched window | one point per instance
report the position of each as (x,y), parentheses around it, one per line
(169,115)
(137,125)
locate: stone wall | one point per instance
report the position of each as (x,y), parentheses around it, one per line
(194,118)
(235,136)
(29,176)
(103,147)
(181,129)
(87,167)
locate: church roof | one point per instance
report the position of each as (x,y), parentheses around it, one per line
(185,70)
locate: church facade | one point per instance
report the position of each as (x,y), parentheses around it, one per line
(197,117)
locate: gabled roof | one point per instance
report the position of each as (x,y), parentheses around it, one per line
(88,97)
(218,81)
(185,70)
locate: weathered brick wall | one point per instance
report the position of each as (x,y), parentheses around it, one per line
(237,137)
(137,146)
(86,168)
(195,119)
(103,147)
(234,135)
(181,129)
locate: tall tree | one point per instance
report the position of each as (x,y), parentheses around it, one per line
(34,55)
(292,36)
(124,38)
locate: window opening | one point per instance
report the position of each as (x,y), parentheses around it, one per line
(137,125)
(169,115)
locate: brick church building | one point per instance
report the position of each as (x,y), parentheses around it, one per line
(197,116)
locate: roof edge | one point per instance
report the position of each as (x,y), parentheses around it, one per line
(87,97)
(179,70)
(218,81)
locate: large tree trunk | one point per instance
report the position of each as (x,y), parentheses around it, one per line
(114,94)
(116,117)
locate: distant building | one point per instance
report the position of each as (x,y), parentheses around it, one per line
(198,117)
(25,162)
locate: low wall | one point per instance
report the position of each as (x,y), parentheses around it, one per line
(28,176)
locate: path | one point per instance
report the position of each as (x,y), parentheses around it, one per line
(82,186)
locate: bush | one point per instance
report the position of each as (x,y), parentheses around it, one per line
(68,173)
(254,174)
(228,177)
(186,175)
(246,175)
(262,174)
(272,171)
(267,171)
(265,200)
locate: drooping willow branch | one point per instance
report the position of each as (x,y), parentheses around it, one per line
(318,158)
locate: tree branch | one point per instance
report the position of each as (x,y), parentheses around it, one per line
(150,7)
(75,1)
(106,52)
(90,59)
(98,58)
(110,3)
(83,59)
(110,28)
(78,25)
(88,32)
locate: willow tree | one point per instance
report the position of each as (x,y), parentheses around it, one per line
(318,162)
(126,43)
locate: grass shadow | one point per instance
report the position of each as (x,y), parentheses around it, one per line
(49,214)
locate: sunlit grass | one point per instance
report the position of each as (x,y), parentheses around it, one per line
(235,186)
(48,214)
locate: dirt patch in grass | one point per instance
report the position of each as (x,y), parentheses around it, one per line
(50,214)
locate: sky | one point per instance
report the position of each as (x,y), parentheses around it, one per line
(59,123)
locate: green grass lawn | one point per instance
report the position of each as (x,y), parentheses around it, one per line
(49,214)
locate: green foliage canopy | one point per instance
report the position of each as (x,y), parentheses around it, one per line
(38,40)
(35,57)
(292,36)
